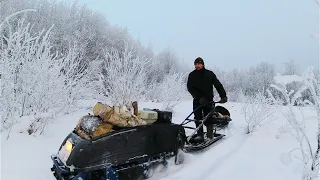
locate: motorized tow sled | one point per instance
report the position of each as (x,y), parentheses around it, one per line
(132,152)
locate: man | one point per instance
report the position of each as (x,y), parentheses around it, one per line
(200,86)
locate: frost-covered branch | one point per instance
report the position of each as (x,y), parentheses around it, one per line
(169,91)
(123,77)
(6,20)
(75,73)
(34,80)
(314,86)
(257,111)
(309,83)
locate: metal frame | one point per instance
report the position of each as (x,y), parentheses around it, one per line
(187,120)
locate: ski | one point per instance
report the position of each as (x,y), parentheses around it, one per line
(206,143)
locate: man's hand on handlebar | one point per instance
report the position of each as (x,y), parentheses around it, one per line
(223,100)
(204,101)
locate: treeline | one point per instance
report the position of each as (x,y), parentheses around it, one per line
(53,55)
(256,80)
(87,30)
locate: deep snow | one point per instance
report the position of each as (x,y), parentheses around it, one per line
(261,155)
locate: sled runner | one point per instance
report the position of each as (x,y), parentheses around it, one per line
(131,151)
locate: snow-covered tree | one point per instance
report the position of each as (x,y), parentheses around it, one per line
(74,23)
(164,63)
(310,154)
(169,91)
(291,68)
(250,81)
(63,48)
(259,78)
(9,71)
(35,80)
(123,77)
(90,32)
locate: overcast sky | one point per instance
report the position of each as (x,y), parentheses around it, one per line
(227,34)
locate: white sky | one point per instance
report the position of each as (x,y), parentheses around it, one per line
(226,34)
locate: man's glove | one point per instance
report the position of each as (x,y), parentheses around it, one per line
(223,100)
(203,101)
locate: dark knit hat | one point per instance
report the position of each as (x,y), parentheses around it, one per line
(199,60)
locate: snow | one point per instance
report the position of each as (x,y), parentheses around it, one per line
(90,123)
(287,79)
(263,154)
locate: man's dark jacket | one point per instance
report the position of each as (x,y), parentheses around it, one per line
(200,84)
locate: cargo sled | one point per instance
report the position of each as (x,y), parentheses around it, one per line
(132,152)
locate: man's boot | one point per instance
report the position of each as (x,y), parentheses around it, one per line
(199,137)
(210,131)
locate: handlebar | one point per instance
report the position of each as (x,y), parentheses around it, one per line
(212,102)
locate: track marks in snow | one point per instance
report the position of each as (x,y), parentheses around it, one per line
(219,161)
(208,161)
(164,173)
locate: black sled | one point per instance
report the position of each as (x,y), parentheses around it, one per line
(217,119)
(132,152)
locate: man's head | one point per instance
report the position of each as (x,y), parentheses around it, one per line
(198,63)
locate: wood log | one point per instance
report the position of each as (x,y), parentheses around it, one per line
(135,108)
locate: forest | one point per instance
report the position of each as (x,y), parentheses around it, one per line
(54,55)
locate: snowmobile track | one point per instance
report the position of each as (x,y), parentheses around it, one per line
(219,161)
(199,152)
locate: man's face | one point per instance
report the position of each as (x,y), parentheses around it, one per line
(198,66)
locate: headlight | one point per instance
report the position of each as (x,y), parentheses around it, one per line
(65,151)
(69,146)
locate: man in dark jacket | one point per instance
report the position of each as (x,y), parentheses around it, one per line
(200,86)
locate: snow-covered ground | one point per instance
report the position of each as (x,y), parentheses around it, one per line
(261,155)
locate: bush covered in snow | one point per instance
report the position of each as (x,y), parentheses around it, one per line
(257,79)
(170,90)
(123,77)
(34,78)
(257,111)
(308,81)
